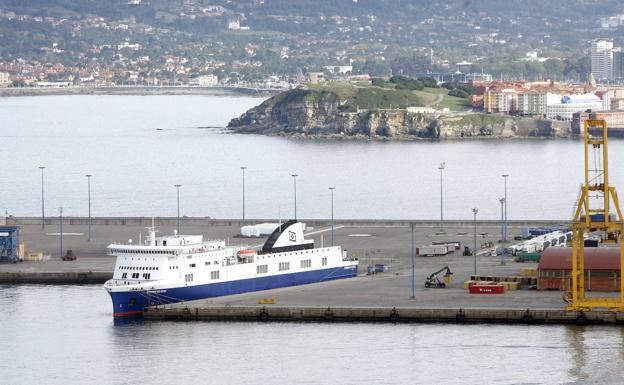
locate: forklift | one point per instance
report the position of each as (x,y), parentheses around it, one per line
(434,281)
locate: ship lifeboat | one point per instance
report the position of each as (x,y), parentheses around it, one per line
(246,255)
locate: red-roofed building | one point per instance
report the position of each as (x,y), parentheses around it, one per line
(602,269)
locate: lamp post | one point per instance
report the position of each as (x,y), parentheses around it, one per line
(295,186)
(474,244)
(441,167)
(61,230)
(243,168)
(331,189)
(505,214)
(413,254)
(42,201)
(89,232)
(177,186)
(502,247)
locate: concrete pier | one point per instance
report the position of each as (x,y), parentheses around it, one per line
(361,299)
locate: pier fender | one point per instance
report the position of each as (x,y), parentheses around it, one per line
(394,315)
(263,315)
(328,315)
(82,278)
(186,314)
(460,317)
(581,318)
(527,317)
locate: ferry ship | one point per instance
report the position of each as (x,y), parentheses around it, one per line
(177,268)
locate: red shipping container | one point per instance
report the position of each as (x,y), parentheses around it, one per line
(486,289)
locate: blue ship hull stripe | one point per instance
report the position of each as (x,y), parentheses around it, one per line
(132,302)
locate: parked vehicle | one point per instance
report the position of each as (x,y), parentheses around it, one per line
(528,257)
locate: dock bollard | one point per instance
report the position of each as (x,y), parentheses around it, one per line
(394,315)
(328,315)
(461,316)
(264,314)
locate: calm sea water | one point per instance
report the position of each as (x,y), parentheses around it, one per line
(65,335)
(138,147)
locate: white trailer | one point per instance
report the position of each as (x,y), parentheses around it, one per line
(433,250)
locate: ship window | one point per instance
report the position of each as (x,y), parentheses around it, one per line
(207,263)
(306,263)
(214,274)
(188,277)
(191,265)
(262,269)
(324,261)
(124,275)
(283,266)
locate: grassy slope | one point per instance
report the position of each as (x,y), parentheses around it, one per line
(365,96)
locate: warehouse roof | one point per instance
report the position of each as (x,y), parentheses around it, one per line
(596,258)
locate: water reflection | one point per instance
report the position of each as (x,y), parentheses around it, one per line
(578,350)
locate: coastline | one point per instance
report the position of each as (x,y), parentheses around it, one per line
(137,90)
(379,138)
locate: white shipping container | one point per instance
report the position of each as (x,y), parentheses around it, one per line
(250,231)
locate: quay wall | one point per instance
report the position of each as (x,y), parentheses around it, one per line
(55,278)
(379,314)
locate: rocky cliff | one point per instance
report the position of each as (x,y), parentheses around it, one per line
(319,113)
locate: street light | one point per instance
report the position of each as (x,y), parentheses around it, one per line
(502,247)
(61,229)
(474,244)
(243,168)
(413,253)
(505,219)
(295,185)
(42,204)
(441,167)
(331,189)
(177,186)
(90,234)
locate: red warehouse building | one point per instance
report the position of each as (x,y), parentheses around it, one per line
(602,269)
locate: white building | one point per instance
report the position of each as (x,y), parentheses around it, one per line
(339,69)
(602,58)
(507,100)
(4,79)
(234,24)
(207,80)
(532,103)
(560,107)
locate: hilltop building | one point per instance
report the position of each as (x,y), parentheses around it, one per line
(563,107)
(532,103)
(607,62)
(614,119)
(602,59)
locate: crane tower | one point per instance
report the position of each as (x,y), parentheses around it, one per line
(598,210)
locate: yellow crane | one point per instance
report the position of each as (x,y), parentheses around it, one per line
(594,213)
